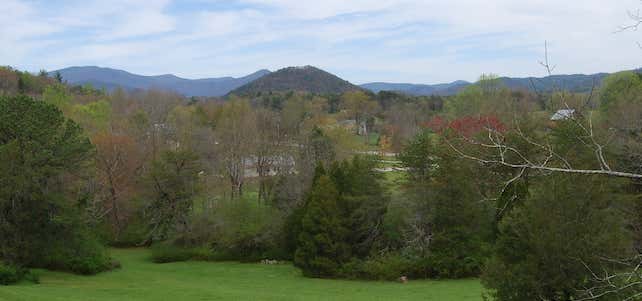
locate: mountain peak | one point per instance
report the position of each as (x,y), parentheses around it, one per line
(297,78)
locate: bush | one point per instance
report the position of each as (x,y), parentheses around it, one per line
(80,253)
(236,230)
(382,267)
(10,274)
(167,252)
(387,267)
(247,232)
(32,276)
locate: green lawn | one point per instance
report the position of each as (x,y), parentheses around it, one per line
(139,279)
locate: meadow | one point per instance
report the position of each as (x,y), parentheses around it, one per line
(140,279)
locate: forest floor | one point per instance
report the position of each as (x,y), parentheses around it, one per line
(140,279)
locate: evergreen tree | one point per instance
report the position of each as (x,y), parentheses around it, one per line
(40,221)
(548,247)
(451,223)
(322,244)
(363,202)
(58,76)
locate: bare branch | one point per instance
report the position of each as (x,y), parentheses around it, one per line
(626,284)
(637,21)
(545,63)
(545,167)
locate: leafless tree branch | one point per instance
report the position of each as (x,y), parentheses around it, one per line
(626,284)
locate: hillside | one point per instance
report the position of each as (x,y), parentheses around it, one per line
(578,83)
(307,79)
(112,78)
(417,89)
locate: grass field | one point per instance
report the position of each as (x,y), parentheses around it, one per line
(139,279)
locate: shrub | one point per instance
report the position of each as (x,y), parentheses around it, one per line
(380,267)
(247,232)
(167,252)
(236,230)
(32,276)
(10,274)
(387,267)
(80,253)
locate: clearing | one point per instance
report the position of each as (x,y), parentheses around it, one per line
(140,279)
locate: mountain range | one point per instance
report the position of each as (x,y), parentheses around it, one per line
(418,89)
(112,78)
(306,78)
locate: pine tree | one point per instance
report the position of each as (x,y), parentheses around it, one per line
(322,246)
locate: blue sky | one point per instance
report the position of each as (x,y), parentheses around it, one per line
(362,41)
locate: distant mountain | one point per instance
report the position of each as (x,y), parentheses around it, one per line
(112,78)
(306,79)
(417,89)
(572,82)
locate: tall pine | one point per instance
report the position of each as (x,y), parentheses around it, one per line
(322,246)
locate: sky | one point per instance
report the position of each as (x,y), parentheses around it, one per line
(430,41)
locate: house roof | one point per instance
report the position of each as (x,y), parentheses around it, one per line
(563,114)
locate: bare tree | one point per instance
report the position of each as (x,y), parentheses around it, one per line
(268,148)
(234,130)
(117,161)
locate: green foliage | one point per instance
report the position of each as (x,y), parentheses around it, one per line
(58,76)
(10,274)
(547,246)
(452,228)
(418,156)
(174,180)
(236,229)
(340,220)
(57,95)
(461,225)
(94,115)
(40,226)
(486,97)
(322,244)
(83,255)
(363,200)
(618,87)
(381,267)
(247,232)
(167,252)
(28,83)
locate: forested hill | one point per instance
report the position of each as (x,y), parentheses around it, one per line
(112,78)
(306,79)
